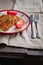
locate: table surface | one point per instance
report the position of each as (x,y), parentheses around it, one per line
(19,52)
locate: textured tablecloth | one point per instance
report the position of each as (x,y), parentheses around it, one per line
(23,39)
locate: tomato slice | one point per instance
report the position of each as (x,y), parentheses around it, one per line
(20,24)
(12,12)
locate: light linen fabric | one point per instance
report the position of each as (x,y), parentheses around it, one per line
(23,39)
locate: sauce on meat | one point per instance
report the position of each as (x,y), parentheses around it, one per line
(7,21)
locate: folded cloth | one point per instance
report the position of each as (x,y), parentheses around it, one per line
(22,39)
(4,39)
(5,4)
(17,40)
(28,5)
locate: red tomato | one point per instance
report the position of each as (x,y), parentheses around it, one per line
(12,12)
(20,24)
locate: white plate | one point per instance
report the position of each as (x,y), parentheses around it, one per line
(24,16)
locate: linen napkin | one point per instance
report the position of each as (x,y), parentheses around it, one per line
(6,4)
(4,39)
(23,39)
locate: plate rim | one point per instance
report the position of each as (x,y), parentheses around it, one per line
(20,30)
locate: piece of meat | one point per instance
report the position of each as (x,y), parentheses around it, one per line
(7,21)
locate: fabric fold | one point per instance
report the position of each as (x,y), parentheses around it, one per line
(4,39)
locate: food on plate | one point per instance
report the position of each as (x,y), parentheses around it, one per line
(20,24)
(12,13)
(7,21)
